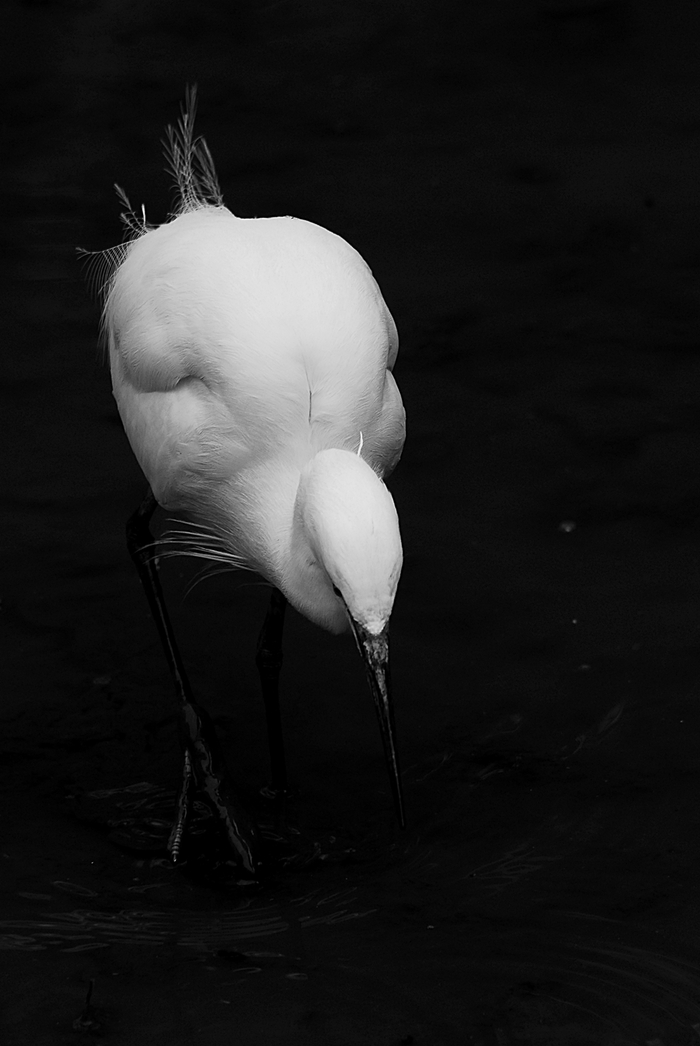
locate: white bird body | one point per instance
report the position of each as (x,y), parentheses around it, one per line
(251,360)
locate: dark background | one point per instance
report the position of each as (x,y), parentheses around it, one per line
(522,177)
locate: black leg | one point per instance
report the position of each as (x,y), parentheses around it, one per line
(269,662)
(204,766)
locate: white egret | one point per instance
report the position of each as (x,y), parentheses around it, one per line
(251,364)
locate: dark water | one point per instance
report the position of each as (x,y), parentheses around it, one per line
(522,177)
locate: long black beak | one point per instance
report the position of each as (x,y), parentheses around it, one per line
(375,654)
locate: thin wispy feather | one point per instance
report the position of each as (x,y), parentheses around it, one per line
(185,539)
(190,161)
(203,575)
(101,266)
(134,223)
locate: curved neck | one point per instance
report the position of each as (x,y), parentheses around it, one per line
(305,582)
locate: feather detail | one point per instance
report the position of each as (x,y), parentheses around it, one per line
(190,162)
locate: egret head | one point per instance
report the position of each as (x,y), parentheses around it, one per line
(352,530)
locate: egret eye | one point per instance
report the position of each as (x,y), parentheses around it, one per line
(337,592)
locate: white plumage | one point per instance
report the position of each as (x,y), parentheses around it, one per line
(251,363)
(240,350)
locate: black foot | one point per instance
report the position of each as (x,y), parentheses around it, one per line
(211,828)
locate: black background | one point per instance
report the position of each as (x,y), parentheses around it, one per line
(522,177)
